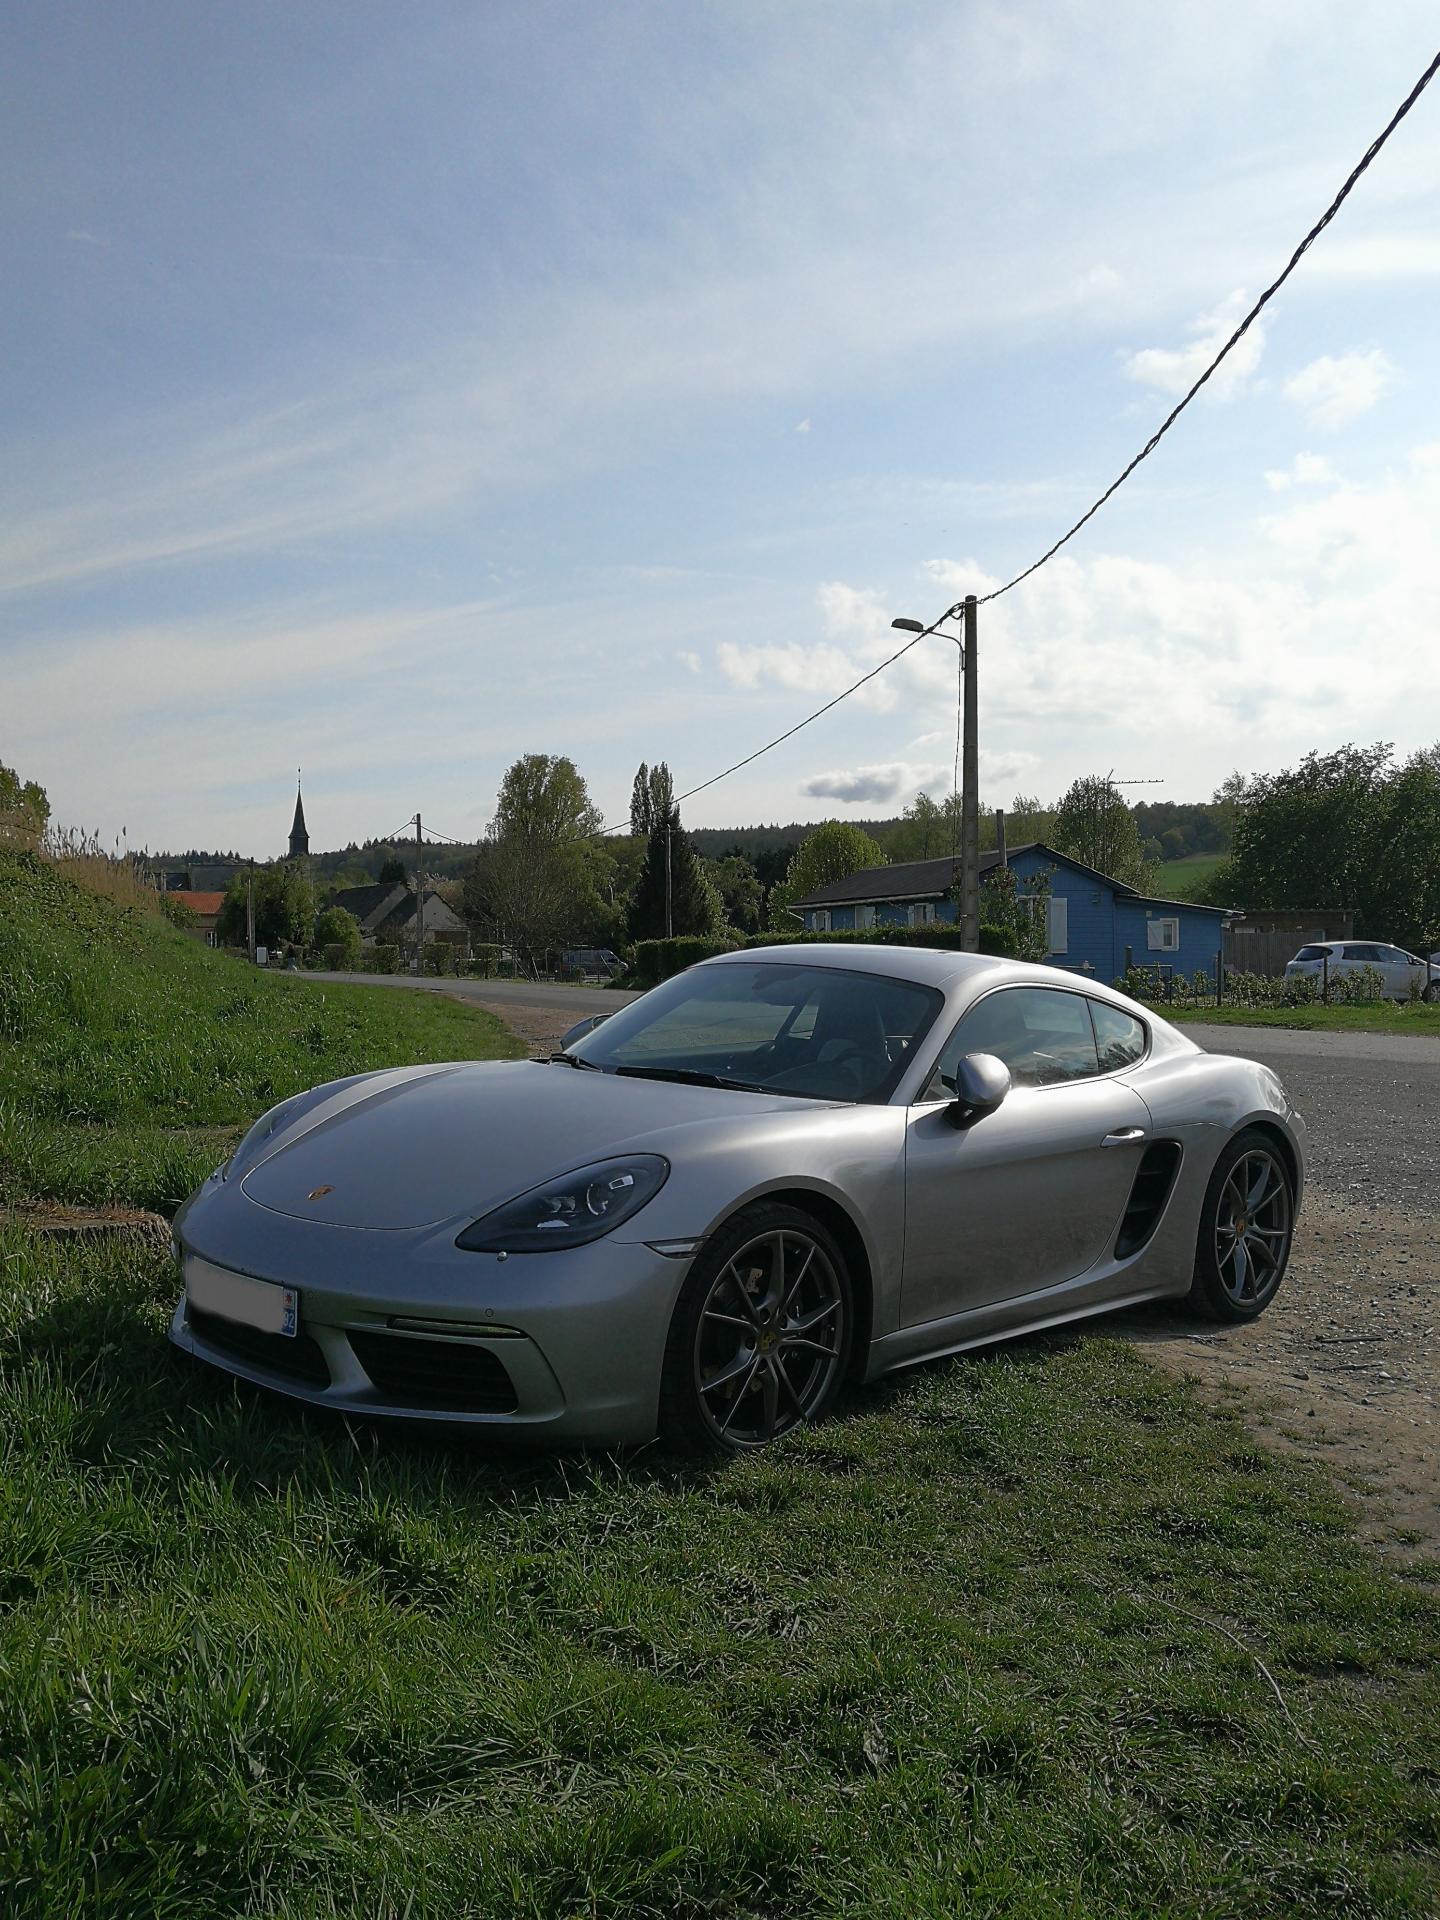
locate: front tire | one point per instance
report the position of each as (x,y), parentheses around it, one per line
(1247,1226)
(761,1335)
(1432,993)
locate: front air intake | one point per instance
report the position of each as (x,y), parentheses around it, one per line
(1154,1178)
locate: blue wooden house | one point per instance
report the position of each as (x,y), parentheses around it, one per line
(1094,925)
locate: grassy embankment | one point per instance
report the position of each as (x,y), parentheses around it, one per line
(989,1643)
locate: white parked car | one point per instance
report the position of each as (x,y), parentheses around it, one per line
(1402,973)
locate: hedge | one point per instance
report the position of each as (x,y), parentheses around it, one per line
(657,960)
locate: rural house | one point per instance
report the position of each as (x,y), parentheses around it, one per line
(1094,924)
(386,913)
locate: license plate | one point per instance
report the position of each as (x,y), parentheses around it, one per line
(235,1296)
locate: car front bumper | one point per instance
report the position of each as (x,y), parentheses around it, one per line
(564,1346)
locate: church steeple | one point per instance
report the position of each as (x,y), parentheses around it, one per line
(299,838)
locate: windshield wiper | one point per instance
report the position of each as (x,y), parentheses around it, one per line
(695,1077)
(571,1060)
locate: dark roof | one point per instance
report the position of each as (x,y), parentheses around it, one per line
(363,901)
(932,879)
(910,880)
(299,838)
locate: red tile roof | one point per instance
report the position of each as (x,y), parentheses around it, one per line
(202,903)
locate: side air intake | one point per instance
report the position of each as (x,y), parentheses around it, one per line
(1154,1178)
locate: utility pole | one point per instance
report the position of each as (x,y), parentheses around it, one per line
(1000,838)
(250,911)
(419,898)
(970,791)
(669,925)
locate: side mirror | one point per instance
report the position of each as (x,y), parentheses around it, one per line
(981,1083)
(581,1028)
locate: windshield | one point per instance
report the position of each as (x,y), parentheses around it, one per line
(822,1032)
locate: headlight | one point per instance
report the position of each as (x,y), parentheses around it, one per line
(568,1212)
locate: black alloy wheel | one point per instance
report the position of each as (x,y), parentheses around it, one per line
(761,1335)
(1247,1225)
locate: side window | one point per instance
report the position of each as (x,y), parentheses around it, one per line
(1119,1037)
(1043,1036)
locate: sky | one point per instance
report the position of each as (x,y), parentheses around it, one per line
(389,392)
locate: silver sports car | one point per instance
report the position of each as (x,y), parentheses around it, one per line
(778,1171)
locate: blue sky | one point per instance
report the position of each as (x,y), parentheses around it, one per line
(395,390)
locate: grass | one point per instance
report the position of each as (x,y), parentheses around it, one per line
(1383,1016)
(990,1643)
(1186,878)
(131,1057)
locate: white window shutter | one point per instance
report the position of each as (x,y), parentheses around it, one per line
(1057,924)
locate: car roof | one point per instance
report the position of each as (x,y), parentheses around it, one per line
(928,966)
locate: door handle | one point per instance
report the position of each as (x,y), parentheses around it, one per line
(1123,1137)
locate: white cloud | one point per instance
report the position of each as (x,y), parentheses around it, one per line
(1175,369)
(689,659)
(1336,389)
(1305,470)
(802,426)
(875,784)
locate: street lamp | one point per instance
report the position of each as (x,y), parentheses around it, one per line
(970,782)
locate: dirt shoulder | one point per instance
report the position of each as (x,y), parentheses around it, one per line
(1344,1367)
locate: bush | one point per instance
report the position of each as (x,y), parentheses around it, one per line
(337,931)
(657,960)
(178,910)
(338,956)
(384,958)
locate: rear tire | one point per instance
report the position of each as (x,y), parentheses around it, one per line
(760,1339)
(1432,993)
(1247,1227)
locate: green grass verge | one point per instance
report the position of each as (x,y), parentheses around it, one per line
(988,1644)
(1383,1018)
(131,1056)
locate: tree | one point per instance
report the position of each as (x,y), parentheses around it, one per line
(1305,837)
(1094,825)
(337,928)
(24,810)
(695,906)
(740,891)
(832,852)
(1020,913)
(284,908)
(652,799)
(1348,830)
(392,871)
(926,831)
(528,881)
(1028,821)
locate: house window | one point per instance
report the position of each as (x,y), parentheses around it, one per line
(922,914)
(820,920)
(1163,936)
(1057,924)
(864,917)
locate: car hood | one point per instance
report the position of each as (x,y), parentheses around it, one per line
(439,1144)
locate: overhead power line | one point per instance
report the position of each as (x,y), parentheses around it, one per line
(954,612)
